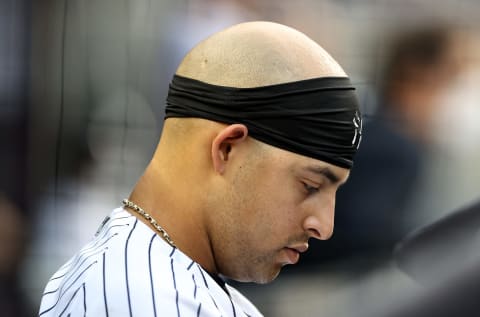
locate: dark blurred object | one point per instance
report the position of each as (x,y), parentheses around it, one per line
(454,297)
(443,257)
(14,34)
(13,233)
(443,249)
(14,95)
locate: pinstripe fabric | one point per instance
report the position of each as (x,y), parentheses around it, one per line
(127,270)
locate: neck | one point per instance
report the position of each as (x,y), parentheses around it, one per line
(173,201)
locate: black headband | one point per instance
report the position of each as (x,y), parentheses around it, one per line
(318,117)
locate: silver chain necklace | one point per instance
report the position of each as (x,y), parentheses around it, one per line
(128,204)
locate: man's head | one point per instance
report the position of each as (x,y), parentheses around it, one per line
(421,66)
(257,200)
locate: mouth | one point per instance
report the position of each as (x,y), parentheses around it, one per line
(293,252)
(292,256)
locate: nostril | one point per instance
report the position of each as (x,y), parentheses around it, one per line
(314,233)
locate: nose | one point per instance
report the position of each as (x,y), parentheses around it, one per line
(320,222)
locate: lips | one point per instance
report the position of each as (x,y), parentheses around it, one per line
(300,248)
(292,256)
(293,252)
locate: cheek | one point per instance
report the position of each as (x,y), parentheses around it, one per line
(266,205)
(276,218)
(254,218)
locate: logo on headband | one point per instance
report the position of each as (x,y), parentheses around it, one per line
(357,123)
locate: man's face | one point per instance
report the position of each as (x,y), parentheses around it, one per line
(272,201)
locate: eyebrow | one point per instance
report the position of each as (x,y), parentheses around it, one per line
(326,172)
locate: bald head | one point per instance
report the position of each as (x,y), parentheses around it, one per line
(257,54)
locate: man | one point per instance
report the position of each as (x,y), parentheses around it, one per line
(260,131)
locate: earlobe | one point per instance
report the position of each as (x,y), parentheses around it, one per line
(223,143)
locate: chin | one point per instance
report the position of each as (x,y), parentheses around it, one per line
(260,276)
(268,278)
(262,273)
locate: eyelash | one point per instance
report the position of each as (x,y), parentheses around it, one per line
(310,189)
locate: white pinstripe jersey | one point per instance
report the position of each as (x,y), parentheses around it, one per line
(128,270)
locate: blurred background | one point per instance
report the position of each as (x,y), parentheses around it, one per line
(82,91)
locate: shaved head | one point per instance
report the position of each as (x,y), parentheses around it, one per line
(257,54)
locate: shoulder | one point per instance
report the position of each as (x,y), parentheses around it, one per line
(247,307)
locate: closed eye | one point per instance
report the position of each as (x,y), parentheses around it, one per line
(310,189)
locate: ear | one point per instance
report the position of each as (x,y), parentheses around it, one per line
(223,143)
